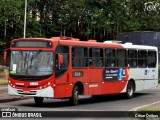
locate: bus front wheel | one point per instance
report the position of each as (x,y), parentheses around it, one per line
(75,95)
(130,90)
(38,100)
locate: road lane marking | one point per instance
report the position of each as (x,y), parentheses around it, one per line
(146,105)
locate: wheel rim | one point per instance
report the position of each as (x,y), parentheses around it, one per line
(76,96)
(130,90)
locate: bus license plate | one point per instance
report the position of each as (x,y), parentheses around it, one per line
(26,91)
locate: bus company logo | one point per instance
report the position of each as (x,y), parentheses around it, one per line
(6,114)
(151,6)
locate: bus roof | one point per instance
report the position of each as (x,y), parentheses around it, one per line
(91,42)
(75,41)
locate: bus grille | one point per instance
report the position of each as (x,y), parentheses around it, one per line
(26,93)
(22,86)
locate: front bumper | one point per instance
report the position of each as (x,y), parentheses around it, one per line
(46,92)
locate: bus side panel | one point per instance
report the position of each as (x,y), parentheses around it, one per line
(79,75)
(119,86)
(63,90)
(151,78)
(95,75)
(94,80)
(150,83)
(68,90)
(60,91)
(107,88)
(94,88)
(137,74)
(86,89)
(65,83)
(65,78)
(87,75)
(112,87)
(90,79)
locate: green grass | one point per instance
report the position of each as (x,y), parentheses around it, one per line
(3,75)
(149,111)
(3,82)
(151,108)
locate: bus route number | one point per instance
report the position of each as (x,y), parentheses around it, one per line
(33,83)
(77,74)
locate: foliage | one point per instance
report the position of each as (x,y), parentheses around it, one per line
(94,19)
(2,43)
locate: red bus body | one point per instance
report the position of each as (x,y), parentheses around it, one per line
(91,81)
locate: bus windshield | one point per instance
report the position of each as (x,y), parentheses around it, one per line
(31,63)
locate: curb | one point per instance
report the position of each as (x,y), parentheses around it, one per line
(9,98)
(13,99)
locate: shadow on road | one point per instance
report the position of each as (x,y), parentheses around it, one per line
(83,101)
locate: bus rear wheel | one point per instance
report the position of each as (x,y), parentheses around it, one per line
(38,100)
(75,95)
(130,90)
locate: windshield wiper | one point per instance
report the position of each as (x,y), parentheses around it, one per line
(34,56)
(21,53)
(31,61)
(25,60)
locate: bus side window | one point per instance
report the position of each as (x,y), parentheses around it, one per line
(142,58)
(96,57)
(151,59)
(134,64)
(121,58)
(79,57)
(132,58)
(110,58)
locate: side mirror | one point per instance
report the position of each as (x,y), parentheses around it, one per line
(5,56)
(60,58)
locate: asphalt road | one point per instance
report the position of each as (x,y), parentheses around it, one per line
(107,103)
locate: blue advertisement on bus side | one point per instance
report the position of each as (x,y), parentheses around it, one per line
(113,74)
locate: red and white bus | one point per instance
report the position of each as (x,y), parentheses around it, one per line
(64,67)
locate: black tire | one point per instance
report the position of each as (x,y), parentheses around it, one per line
(75,94)
(38,100)
(130,90)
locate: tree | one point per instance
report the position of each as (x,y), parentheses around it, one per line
(85,19)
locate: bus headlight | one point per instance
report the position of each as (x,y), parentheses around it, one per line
(49,83)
